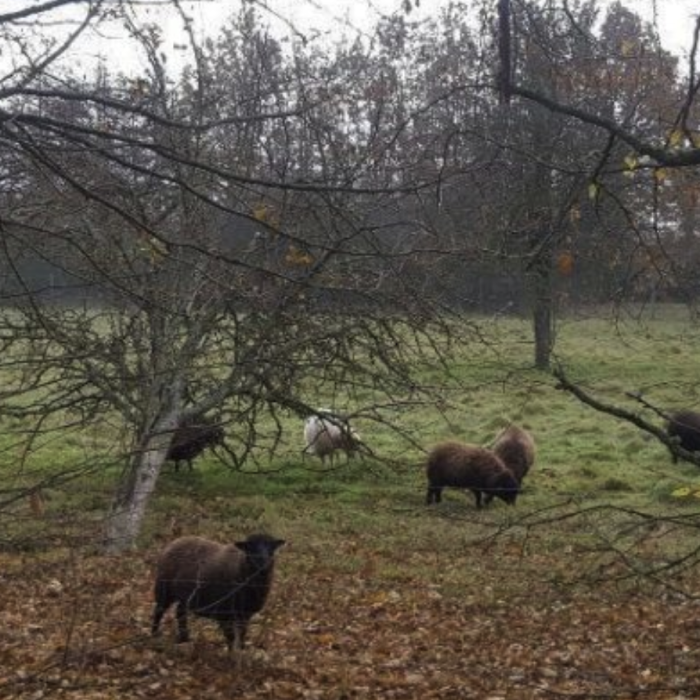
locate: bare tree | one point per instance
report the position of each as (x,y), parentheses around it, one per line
(219,267)
(554,53)
(628,92)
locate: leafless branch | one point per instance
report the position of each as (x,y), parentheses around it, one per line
(660,434)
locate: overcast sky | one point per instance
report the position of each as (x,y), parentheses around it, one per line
(328,18)
(673,18)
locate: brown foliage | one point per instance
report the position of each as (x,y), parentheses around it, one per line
(78,628)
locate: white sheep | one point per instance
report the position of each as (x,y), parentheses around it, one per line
(325,433)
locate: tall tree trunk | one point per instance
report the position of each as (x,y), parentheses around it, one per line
(541,276)
(129,507)
(504,77)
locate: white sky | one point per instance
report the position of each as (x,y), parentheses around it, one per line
(331,18)
(674,18)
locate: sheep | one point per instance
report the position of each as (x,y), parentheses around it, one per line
(226,582)
(516,448)
(325,433)
(469,467)
(685,426)
(191,438)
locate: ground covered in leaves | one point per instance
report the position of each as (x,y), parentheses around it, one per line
(488,622)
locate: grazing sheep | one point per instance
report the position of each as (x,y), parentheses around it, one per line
(516,448)
(228,583)
(469,467)
(325,433)
(191,438)
(685,425)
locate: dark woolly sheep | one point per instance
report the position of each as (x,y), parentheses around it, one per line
(685,426)
(469,467)
(225,582)
(516,448)
(191,438)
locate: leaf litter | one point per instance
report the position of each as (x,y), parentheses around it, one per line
(481,625)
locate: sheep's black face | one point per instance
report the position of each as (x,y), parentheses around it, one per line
(509,492)
(509,496)
(260,549)
(216,436)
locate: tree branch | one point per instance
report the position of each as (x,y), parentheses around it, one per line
(670,157)
(660,434)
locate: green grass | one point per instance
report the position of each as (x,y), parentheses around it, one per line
(584,457)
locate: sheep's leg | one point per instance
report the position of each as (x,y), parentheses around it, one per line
(477,495)
(183,634)
(434,495)
(228,629)
(235,633)
(240,627)
(163,602)
(158,612)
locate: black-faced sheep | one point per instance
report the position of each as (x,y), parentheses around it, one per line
(469,467)
(685,425)
(226,582)
(191,438)
(516,448)
(326,433)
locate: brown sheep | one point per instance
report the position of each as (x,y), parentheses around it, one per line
(191,438)
(516,448)
(685,426)
(226,582)
(469,467)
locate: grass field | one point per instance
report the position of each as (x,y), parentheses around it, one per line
(376,594)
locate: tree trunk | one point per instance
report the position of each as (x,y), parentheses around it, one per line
(543,309)
(129,507)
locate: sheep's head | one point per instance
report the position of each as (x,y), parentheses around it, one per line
(508,493)
(215,436)
(353,441)
(260,549)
